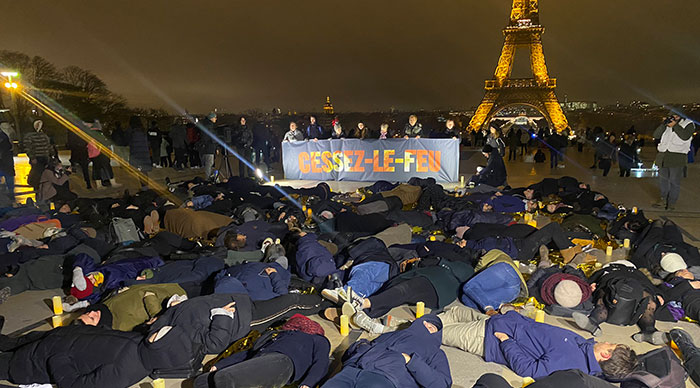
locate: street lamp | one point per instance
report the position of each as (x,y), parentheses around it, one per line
(9,74)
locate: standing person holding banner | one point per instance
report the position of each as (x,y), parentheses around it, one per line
(413,128)
(314,131)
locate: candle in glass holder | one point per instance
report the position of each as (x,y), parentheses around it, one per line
(344,325)
(609,251)
(539,316)
(626,243)
(56,321)
(158,383)
(57,305)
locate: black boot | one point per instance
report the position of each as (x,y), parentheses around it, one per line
(684,342)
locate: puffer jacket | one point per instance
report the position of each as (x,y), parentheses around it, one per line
(139,154)
(37,144)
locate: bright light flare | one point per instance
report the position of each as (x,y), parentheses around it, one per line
(258,173)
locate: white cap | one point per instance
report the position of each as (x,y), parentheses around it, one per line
(673,262)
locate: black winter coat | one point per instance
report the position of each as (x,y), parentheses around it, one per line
(215,333)
(7,161)
(139,155)
(80,357)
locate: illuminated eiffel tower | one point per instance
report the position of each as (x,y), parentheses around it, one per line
(524,30)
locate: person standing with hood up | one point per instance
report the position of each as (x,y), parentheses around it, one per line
(207,144)
(244,143)
(7,164)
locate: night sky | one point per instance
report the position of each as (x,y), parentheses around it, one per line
(368,55)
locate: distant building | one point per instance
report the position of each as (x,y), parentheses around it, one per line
(571,106)
(328,107)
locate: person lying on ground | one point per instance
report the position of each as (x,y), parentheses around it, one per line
(133,306)
(409,358)
(572,378)
(297,352)
(532,349)
(75,357)
(623,295)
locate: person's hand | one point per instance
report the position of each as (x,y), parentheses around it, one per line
(406,357)
(418,137)
(660,299)
(501,336)
(593,286)
(405,137)
(454,137)
(315,140)
(269,270)
(695,284)
(498,194)
(230,307)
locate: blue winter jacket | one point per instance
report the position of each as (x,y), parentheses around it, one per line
(491,287)
(308,352)
(115,274)
(505,244)
(537,349)
(313,261)
(428,366)
(184,271)
(260,285)
(471,217)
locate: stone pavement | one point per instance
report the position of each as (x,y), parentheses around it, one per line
(30,310)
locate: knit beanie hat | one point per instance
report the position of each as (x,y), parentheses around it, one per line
(301,323)
(106,317)
(673,262)
(568,294)
(211,115)
(487,149)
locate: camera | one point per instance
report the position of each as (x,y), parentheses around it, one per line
(669,120)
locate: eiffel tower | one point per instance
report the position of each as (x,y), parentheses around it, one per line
(524,30)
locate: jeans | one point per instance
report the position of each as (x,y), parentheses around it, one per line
(553,158)
(84,163)
(180,157)
(10,183)
(207,163)
(417,289)
(512,153)
(351,377)
(278,371)
(670,183)
(367,278)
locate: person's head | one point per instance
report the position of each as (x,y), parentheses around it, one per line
(312,119)
(135,122)
(234,241)
(568,294)
(551,207)
(292,126)
(361,125)
(685,274)
(615,360)
(242,120)
(584,186)
(450,124)
(487,206)
(530,206)
(154,124)
(166,348)
(611,138)
(384,128)
(493,131)
(97,315)
(412,119)
(212,117)
(672,262)
(487,150)
(338,128)
(303,324)
(529,193)
(38,125)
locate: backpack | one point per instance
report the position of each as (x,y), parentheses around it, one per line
(659,368)
(123,230)
(625,301)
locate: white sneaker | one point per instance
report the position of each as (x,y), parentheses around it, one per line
(337,295)
(561,166)
(365,322)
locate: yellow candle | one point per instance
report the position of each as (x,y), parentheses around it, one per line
(57,305)
(532,223)
(420,309)
(309,212)
(303,208)
(272,179)
(627,243)
(461,181)
(634,210)
(609,251)
(539,316)
(344,325)
(56,321)
(527,381)
(598,265)
(52,206)
(158,383)
(528,217)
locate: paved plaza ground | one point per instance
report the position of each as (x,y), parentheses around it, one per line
(30,310)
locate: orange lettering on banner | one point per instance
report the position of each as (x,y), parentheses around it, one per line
(434,160)
(304,162)
(327,163)
(388,161)
(347,161)
(358,163)
(315,166)
(422,161)
(375,162)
